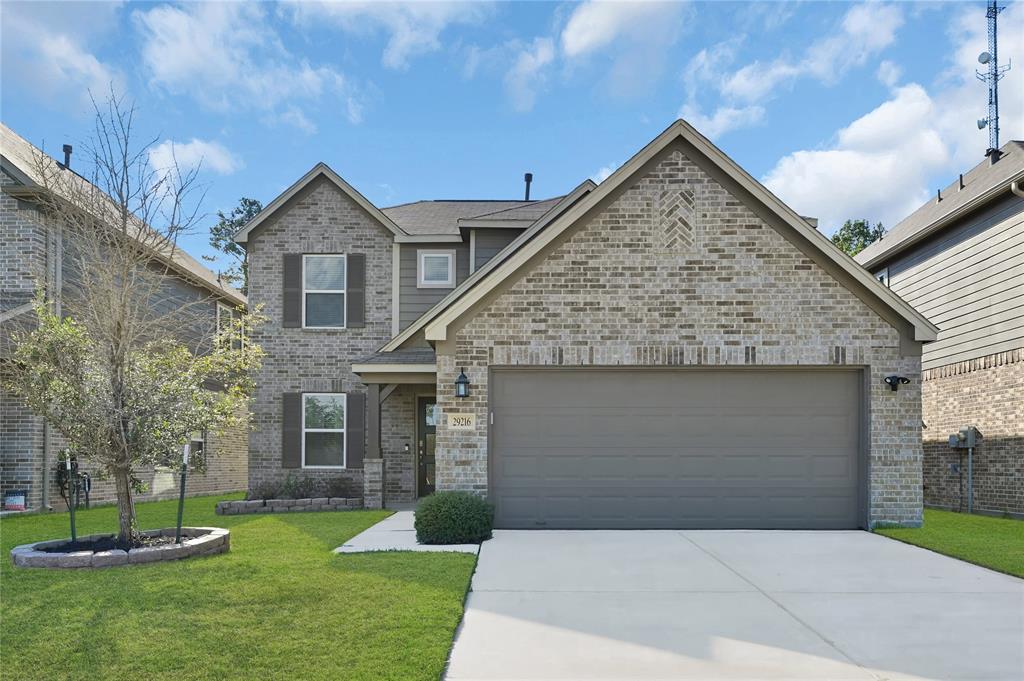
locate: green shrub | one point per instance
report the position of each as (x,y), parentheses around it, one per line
(453,518)
(299,488)
(265,490)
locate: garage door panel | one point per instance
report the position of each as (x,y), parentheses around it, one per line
(642,448)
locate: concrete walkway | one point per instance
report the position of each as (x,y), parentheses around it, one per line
(396,533)
(734,605)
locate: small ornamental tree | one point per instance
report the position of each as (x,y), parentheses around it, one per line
(126,360)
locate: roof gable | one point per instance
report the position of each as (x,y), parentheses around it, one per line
(854,276)
(320,169)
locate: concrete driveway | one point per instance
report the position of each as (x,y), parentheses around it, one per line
(733,605)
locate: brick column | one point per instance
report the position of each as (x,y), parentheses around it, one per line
(373,483)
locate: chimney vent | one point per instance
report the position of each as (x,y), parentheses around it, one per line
(529,178)
(67,155)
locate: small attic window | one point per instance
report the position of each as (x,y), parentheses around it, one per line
(435,269)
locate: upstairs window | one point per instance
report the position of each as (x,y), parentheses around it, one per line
(435,269)
(323,292)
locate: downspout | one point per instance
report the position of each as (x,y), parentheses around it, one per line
(1016,188)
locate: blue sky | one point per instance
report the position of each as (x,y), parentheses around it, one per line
(844,110)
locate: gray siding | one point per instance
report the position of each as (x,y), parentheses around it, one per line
(490,241)
(414,301)
(969,281)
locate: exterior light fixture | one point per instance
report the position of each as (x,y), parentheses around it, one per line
(462,384)
(894,382)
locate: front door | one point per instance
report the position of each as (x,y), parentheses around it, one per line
(426,421)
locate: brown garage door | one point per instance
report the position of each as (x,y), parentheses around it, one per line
(687,448)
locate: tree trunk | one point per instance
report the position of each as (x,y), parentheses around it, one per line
(128,532)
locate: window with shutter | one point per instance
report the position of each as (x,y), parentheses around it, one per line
(323,291)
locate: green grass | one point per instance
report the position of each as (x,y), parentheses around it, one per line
(996,543)
(279,605)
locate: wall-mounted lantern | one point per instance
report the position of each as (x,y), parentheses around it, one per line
(462,384)
(895,382)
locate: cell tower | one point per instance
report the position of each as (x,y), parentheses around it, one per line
(991,78)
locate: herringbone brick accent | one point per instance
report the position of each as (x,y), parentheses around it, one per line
(676,219)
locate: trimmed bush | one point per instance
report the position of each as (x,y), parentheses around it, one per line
(453,518)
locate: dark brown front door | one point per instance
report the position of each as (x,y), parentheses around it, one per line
(426,418)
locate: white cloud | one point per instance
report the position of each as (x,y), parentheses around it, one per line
(227,57)
(635,36)
(885,164)
(193,154)
(604,172)
(876,169)
(413,28)
(46,47)
(724,119)
(889,73)
(864,32)
(526,77)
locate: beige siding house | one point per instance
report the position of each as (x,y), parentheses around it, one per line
(959,259)
(672,348)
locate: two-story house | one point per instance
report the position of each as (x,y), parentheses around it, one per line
(959,259)
(674,347)
(36,253)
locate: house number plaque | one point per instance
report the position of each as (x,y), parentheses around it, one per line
(462,421)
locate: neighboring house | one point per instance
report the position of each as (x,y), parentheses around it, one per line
(671,348)
(959,259)
(31,253)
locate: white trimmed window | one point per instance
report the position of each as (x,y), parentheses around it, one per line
(435,269)
(196,448)
(323,430)
(323,291)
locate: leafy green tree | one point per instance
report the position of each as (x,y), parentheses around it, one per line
(856,235)
(222,238)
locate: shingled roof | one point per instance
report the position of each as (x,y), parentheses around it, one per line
(442,217)
(978,182)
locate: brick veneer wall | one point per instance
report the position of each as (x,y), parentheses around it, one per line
(22,454)
(320,219)
(987,392)
(661,277)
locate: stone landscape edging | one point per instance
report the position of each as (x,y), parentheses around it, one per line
(197,541)
(243,507)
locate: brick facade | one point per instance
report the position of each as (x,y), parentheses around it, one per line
(677,271)
(988,393)
(323,219)
(22,461)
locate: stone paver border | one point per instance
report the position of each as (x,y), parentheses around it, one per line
(288,505)
(198,541)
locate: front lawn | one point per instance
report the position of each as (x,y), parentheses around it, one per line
(279,605)
(996,543)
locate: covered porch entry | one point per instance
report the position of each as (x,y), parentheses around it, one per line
(401,425)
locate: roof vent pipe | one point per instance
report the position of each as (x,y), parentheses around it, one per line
(529,178)
(67,155)
(961,181)
(938,195)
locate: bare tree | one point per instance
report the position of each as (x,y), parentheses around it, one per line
(125,373)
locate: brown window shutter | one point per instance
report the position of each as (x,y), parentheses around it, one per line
(355,429)
(291,430)
(355,291)
(291,300)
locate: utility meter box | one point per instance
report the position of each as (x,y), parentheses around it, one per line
(968,437)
